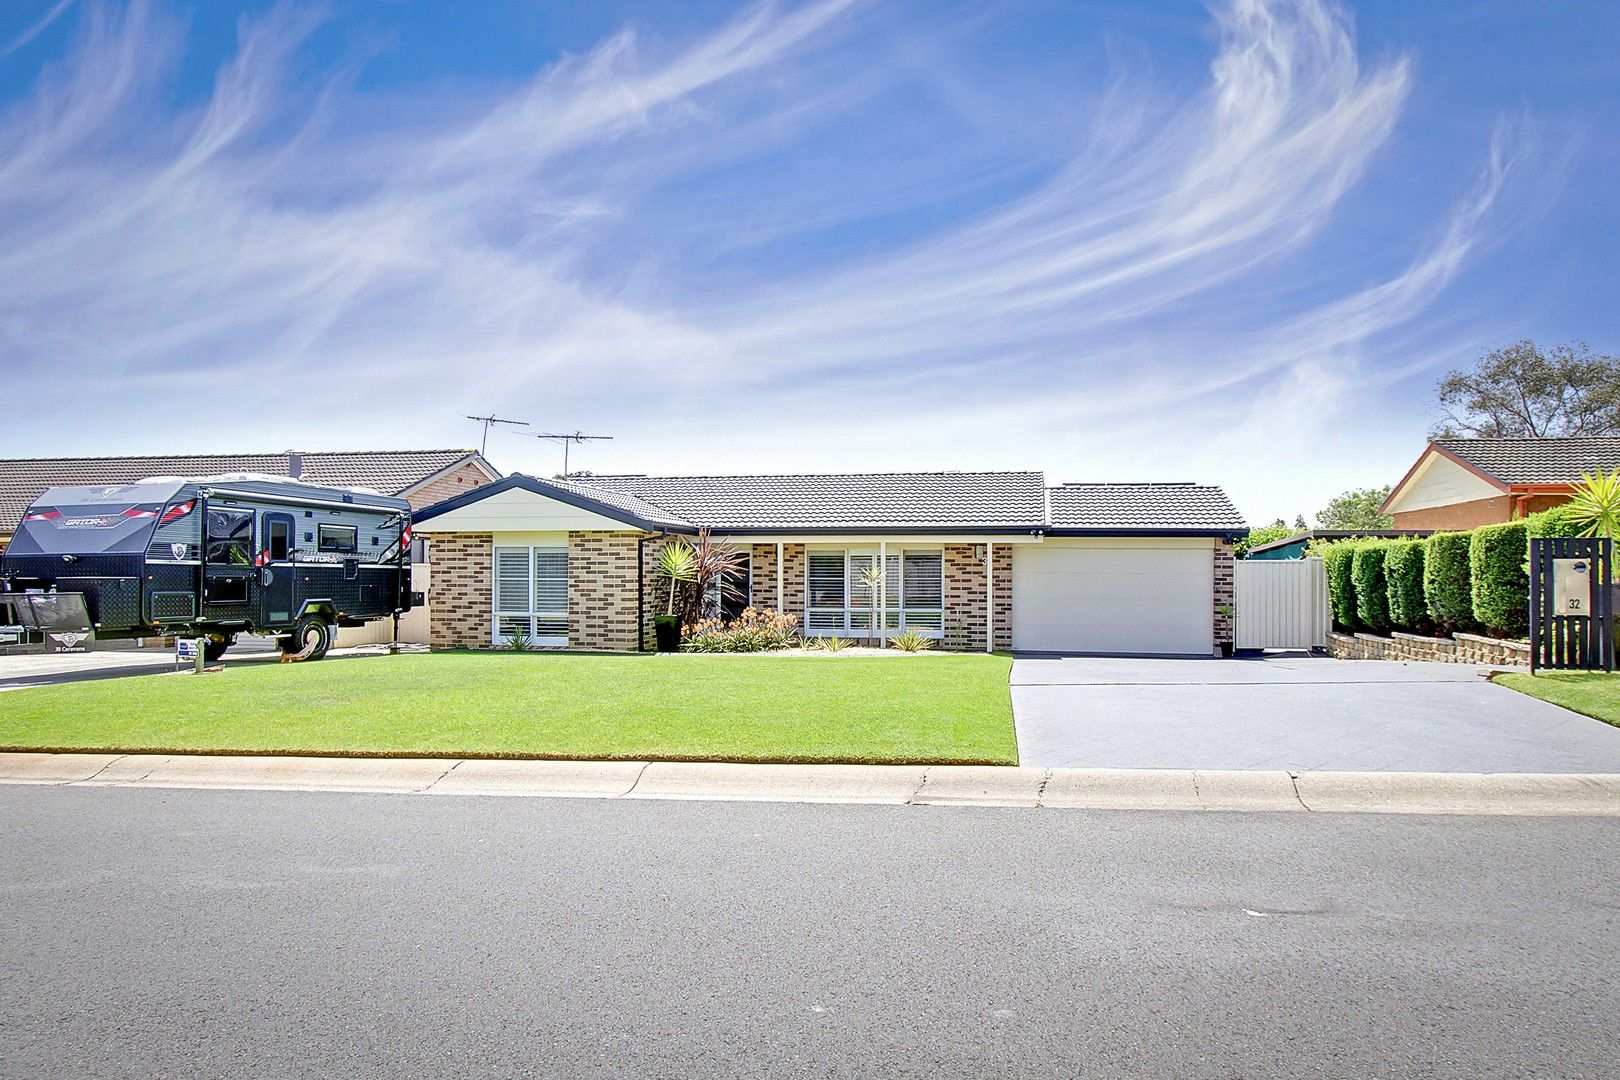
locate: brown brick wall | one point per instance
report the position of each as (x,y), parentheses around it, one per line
(462,591)
(1224,628)
(964,598)
(763,592)
(1467,515)
(457,482)
(602,576)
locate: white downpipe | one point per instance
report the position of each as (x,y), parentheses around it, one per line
(779,577)
(989,596)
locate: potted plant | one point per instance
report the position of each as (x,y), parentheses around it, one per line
(1230,613)
(677,564)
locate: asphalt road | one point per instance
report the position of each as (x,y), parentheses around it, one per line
(214,933)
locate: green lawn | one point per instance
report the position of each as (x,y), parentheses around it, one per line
(1594,693)
(929,708)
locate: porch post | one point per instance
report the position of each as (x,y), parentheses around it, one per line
(779,577)
(882,627)
(989,596)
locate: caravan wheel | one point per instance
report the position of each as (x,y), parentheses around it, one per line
(309,640)
(216,646)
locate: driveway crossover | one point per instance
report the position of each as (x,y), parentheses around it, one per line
(1293,712)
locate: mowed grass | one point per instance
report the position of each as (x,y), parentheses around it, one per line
(1592,693)
(930,708)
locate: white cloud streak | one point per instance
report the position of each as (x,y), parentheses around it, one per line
(488,253)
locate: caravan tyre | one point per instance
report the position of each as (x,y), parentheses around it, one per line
(310,638)
(216,646)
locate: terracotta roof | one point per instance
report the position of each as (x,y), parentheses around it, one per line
(1538,461)
(1168,508)
(843,501)
(391,472)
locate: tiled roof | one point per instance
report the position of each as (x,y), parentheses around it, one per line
(610,497)
(388,471)
(1538,461)
(1143,508)
(853,501)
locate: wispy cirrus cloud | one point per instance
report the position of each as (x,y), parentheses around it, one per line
(523,249)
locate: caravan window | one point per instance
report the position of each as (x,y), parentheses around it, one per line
(230,536)
(277,537)
(339,539)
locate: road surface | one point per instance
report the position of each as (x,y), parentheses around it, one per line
(288,934)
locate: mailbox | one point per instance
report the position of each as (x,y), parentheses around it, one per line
(1572,587)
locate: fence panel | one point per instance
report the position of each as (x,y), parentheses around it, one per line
(1281,604)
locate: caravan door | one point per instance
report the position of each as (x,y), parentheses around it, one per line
(277,580)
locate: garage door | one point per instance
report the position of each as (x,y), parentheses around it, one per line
(1114,596)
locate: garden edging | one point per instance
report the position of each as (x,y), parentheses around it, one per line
(1457,649)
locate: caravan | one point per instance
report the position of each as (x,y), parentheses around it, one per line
(212,557)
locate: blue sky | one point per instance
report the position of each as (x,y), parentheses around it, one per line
(1234,243)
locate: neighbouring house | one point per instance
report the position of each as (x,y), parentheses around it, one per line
(1464,483)
(977,560)
(1293,547)
(422,477)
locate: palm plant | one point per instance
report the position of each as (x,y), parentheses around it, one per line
(872,582)
(678,564)
(1596,504)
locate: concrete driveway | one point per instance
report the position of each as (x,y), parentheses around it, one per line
(1293,712)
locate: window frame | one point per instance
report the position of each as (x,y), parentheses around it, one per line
(321,529)
(533,618)
(214,539)
(857,619)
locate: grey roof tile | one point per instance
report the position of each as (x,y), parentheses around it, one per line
(1538,461)
(1144,507)
(853,501)
(388,471)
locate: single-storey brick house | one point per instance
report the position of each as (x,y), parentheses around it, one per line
(976,560)
(1463,483)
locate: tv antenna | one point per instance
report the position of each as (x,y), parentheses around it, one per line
(492,419)
(569,440)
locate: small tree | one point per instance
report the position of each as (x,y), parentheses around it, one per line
(1446,580)
(1356,509)
(1403,570)
(1371,586)
(1497,575)
(1337,560)
(1263,535)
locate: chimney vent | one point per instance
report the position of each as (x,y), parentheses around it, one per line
(295,464)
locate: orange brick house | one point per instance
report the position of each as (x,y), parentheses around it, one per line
(1462,483)
(976,560)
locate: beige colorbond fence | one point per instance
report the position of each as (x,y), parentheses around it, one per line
(1281,604)
(413,625)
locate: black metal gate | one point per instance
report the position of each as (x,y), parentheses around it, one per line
(1571,603)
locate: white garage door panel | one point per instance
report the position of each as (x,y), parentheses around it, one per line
(1087,596)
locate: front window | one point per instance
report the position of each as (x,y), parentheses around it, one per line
(839,599)
(726,599)
(531,595)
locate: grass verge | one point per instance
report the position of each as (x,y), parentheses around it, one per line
(1591,693)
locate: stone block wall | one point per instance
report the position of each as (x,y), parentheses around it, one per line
(1458,649)
(459,607)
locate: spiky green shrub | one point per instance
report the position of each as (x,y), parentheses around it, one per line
(1403,573)
(1446,580)
(1371,586)
(1498,579)
(1337,560)
(911,641)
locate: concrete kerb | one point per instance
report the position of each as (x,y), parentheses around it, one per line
(1098,789)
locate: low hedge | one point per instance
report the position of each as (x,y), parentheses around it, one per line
(1500,585)
(1337,560)
(1446,580)
(1559,521)
(1371,586)
(1403,573)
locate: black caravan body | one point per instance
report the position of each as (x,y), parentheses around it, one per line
(215,557)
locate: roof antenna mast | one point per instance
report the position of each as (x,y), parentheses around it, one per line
(493,419)
(569,440)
